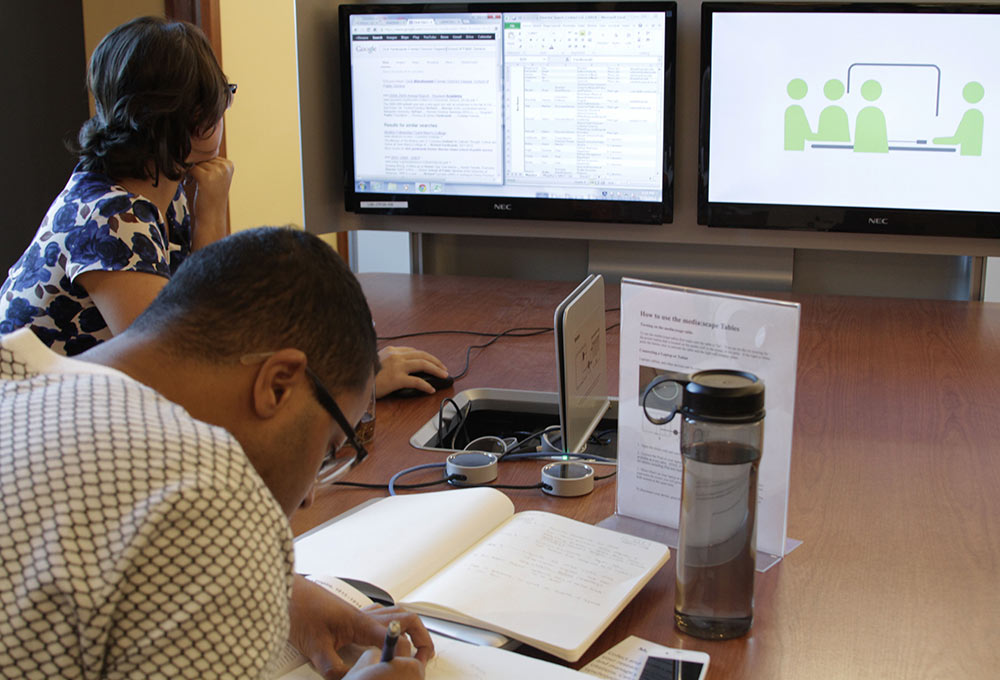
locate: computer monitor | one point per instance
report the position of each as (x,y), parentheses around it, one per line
(556,111)
(860,118)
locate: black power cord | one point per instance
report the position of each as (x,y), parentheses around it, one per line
(524,332)
(520,332)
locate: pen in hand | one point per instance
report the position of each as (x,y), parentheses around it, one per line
(391,637)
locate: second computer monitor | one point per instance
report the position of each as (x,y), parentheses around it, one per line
(851,117)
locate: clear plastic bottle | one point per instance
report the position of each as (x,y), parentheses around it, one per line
(722,430)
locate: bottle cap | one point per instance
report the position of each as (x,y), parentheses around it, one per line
(725,396)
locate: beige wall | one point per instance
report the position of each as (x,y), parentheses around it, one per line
(262,127)
(100,16)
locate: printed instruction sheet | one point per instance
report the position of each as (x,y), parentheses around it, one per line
(682,330)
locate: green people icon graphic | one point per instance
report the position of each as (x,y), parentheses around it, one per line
(969,135)
(833,124)
(870,135)
(797,129)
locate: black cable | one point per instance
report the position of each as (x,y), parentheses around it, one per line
(505,334)
(463,426)
(498,486)
(520,332)
(529,332)
(441,421)
(514,448)
(562,457)
(452,479)
(363,485)
(458,414)
(602,437)
(462,416)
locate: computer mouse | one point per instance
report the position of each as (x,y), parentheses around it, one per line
(436,382)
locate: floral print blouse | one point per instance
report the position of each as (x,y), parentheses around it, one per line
(93,225)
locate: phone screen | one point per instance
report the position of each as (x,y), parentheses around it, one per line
(660,668)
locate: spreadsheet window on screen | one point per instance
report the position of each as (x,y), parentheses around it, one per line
(518,104)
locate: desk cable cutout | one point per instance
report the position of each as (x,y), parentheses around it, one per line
(458,425)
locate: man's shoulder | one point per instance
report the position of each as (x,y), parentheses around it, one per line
(119,426)
(125,435)
(25,355)
(161,518)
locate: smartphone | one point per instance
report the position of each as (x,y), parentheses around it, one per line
(675,664)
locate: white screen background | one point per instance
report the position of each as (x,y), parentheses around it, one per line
(755,55)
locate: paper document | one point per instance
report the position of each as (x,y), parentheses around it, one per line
(455,660)
(291,665)
(624,661)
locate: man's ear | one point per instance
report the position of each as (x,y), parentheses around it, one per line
(277,379)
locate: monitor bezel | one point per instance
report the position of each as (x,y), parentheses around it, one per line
(530,208)
(849,219)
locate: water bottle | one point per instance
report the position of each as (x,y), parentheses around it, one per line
(722,428)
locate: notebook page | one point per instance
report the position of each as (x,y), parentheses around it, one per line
(400,541)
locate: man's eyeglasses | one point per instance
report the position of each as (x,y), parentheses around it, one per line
(337,462)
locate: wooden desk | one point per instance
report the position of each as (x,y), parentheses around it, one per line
(895,480)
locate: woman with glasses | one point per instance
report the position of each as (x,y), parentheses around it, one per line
(149,188)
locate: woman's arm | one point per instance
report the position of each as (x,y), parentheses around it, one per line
(207,189)
(121,296)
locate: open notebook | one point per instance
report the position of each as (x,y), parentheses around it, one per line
(463,555)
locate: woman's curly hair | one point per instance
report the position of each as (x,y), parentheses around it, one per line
(156,83)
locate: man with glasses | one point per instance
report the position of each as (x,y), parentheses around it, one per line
(146,483)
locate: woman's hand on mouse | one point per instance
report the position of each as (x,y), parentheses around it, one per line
(398,363)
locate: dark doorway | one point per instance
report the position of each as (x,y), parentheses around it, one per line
(45,93)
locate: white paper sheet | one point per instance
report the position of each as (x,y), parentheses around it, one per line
(624,661)
(456,660)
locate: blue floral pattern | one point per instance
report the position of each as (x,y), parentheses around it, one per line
(93,225)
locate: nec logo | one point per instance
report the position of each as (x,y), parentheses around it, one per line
(502,206)
(878,220)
